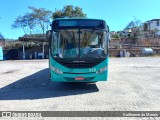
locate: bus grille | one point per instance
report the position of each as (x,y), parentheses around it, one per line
(79,65)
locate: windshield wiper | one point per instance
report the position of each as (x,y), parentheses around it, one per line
(95,28)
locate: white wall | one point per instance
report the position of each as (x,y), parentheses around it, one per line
(153,25)
(158,33)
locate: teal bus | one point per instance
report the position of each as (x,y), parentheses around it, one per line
(78,50)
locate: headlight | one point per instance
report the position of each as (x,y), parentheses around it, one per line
(56,70)
(102,70)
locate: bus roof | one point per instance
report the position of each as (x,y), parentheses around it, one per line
(76,19)
(63,23)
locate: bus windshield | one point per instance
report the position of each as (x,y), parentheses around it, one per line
(79,43)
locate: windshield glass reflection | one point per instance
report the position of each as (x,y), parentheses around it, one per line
(74,43)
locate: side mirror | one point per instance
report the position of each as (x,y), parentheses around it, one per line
(108,28)
(109,37)
(48,35)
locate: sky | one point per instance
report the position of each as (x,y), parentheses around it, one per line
(117,13)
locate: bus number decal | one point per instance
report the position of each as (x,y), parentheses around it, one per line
(92,69)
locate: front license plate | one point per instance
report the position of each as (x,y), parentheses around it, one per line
(79,78)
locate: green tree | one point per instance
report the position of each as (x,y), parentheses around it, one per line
(37,18)
(69,11)
(20,23)
(2,40)
(145,27)
(29,21)
(135,27)
(42,17)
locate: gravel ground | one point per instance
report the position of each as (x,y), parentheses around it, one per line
(133,85)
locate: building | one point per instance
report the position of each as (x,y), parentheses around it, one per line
(39,50)
(152,25)
(124,34)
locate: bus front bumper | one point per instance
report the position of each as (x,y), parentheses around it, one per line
(70,77)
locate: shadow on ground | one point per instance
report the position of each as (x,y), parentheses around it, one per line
(38,86)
